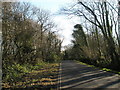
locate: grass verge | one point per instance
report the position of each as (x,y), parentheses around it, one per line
(104,69)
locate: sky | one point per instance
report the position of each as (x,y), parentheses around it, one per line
(64,23)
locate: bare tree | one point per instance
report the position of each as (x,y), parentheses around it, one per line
(99,14)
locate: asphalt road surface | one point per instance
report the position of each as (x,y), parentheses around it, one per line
(76,76)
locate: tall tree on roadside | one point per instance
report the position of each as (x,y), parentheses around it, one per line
(102,13)
(79,40)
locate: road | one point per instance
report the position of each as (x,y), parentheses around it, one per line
(74,75)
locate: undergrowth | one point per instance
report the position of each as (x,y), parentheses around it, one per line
(15,74)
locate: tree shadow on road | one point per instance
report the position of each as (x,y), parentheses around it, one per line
(82,76)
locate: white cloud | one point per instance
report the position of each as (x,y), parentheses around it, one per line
(61,20)
(67,26)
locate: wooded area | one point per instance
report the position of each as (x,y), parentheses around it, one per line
(96,41)
(29,41)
